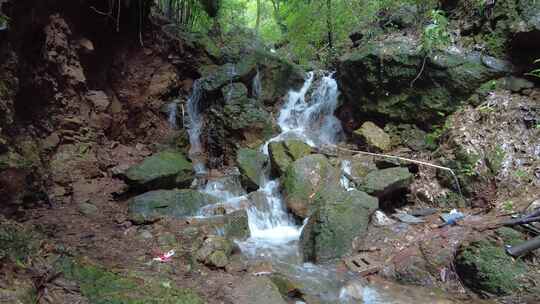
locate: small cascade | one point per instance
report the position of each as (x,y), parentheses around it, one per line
(172,111)
(231,71)
(195,125)
(256,84)
(346,169)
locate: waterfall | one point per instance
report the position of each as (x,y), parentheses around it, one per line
(311,120)
(256,84)
(194,125)
(231,72)
(172,110)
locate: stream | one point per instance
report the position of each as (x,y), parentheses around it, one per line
(307,115)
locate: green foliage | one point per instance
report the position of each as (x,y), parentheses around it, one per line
(17,243)
(435,35)
(535,72)
(103,287)
(508,206)
(433,137)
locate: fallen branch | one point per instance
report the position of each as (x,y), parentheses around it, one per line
(406,160)
(521,221)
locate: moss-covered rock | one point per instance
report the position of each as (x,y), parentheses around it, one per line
(341,216)
(377,79)
(305,180)
(373,137)
(164,170)
(258,290)
(99,285)
(384,183)
(485,267)
(215,252)
(252,165)
(243,121)
(232,225)
(154,205)
(283,153)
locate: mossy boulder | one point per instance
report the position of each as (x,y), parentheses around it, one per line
(340,217)
(283,153)
(377,80)
(373,137)
(384,183)
(245,121)
(484,266)
(260,290)
(99,285)
(164,170)
(252,165)
(232,225)
(215,251)
(154,205)
(276,75)
(305,179)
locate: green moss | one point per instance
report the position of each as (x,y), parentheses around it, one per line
(104,287)
(495,159)
(17,243)
(510,236)
(485,266)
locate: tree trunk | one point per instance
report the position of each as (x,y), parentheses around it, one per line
(329,26)
(258,20)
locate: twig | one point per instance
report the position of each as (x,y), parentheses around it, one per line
(421,71)
(407,160)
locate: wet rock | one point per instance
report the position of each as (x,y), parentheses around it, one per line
(283,153)
(517,85)
(259,290)
(233,225)
(99,100)
(373,137)
(376,80)
(277,75)
(215,251)
(252,165)
(87,209)
(51,142)
(154,205)
(244,121)
(485,267)
(305,180)
(407,135)
(331,229)
(163,170)
(387,182)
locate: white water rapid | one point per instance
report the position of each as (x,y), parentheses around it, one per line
(308,115)
(172,111)
(194,126)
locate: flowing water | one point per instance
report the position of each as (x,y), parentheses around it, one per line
(274,233)
(172,111)
(194,126)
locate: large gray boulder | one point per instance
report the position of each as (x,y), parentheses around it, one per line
(253,165)
(283,153)
(307,179)
(384,183)
(340,217)
(377,79)
(155,205)
(164,170)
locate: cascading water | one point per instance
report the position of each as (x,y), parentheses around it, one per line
(257,85)
(172,110)
(274,233)
(194,125)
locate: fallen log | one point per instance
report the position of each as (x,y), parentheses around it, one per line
(524,248)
